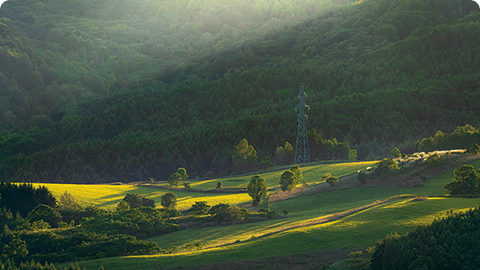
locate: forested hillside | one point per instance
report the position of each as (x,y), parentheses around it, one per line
(97,91)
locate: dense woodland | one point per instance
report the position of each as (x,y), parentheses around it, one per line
(446,244)
(101,91)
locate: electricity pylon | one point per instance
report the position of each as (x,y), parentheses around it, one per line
(302,150)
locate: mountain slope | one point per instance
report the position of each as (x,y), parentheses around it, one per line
(379,74)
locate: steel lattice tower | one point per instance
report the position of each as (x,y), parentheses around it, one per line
(302,150)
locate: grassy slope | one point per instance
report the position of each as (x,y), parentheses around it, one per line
(311,174)
(108,196)
(355,231)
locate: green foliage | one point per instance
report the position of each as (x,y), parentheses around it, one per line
(267,212)
(135,201)
(474,149)
(284,155)
(12,246)
(257,188)
(298,173)
(45,213)
(461,137)
(266,162)
(466,181)
(194,245)
(178,177)
(244,155)
(442,245)
(289,179)
(330,179)
(434,161)
(123,206)
(169,200)
(199,208)
(68,202)
(226,212)
(352,155)
(89,69)
(219,185)
(30,197)
(388,164)
(395,153)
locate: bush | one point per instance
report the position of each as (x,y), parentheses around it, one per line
(266,212)
(219,185)
(395,153)
(199,208)
(134,200)
(434,161)
(328,178)
(169,200)
(288,181)
(474,149)
(226,212)
(388,164)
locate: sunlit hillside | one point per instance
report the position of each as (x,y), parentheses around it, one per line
(95,92)
(303,229)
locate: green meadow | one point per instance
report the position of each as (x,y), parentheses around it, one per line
(311,174)
(295,233)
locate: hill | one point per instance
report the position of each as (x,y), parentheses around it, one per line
(376,79)
(303,233)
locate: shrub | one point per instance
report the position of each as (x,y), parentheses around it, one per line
(389,164)
(328,178)
(474,149)
(266,212)
(169,200)
(135,201)
(226,212)
(199,208)
(219,185)
(395,153)
(434,161)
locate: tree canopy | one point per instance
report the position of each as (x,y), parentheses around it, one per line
(257,188)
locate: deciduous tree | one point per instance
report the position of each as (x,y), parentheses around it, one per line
(257,188)
(466,181)
(244,155)
(169,200)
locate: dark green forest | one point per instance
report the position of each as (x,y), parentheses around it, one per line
(101,91)
(449,243)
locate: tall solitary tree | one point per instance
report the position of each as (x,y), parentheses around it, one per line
(257,188)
